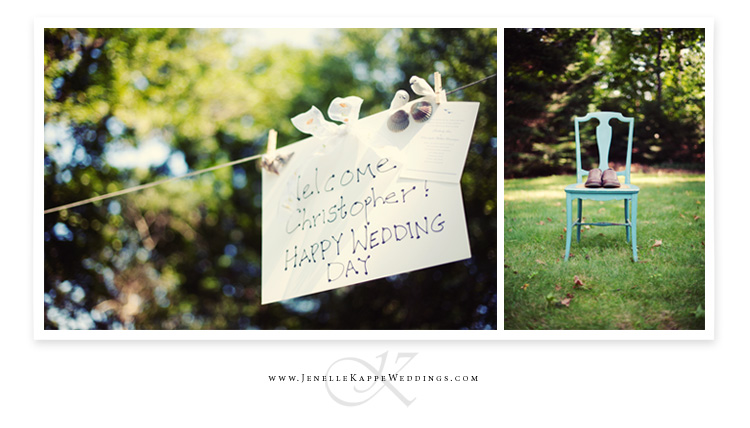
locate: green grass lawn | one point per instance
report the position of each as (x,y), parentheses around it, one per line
(664,290)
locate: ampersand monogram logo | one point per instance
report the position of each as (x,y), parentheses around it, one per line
(353,381)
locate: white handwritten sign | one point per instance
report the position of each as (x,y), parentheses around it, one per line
(340,213)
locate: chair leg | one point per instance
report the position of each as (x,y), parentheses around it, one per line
(569,229)
(627,227)
(580,217)
(634,222)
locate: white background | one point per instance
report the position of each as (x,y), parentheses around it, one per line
(522,383)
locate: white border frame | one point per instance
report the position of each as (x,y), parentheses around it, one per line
(302,22)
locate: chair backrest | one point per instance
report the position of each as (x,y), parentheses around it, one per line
(603,141)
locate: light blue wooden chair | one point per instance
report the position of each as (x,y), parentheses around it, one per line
(626,192)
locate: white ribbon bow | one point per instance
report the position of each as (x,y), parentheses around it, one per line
(344,110)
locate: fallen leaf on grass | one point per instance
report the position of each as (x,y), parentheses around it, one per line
(657,243)
(565,302)
(541,262)
(682,216)
(577,282)
(549,219)
(699,312)
(569,295)
(550,298)
(557,287)
(524,287)
(541,223)
(696,217)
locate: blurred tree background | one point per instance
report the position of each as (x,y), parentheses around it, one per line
(656,75)
(130,106)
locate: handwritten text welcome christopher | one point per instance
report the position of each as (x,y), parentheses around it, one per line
(365,204)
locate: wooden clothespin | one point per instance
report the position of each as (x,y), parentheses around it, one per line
(439,92)
(272,134)
(271,161)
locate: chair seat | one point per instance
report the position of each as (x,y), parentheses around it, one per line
(581,188)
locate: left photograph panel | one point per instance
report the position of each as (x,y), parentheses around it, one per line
(268,179)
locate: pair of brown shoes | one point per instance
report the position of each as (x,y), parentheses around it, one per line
(597,178)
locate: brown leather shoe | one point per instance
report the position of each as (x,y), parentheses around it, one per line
(595,178)
(609,178)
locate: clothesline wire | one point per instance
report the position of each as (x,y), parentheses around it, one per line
(470,84)
(191,174)
(149,185)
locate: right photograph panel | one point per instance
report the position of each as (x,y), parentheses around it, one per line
(604,178)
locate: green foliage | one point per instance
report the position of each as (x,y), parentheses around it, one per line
(665,290)
(186,255)
(552,75)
